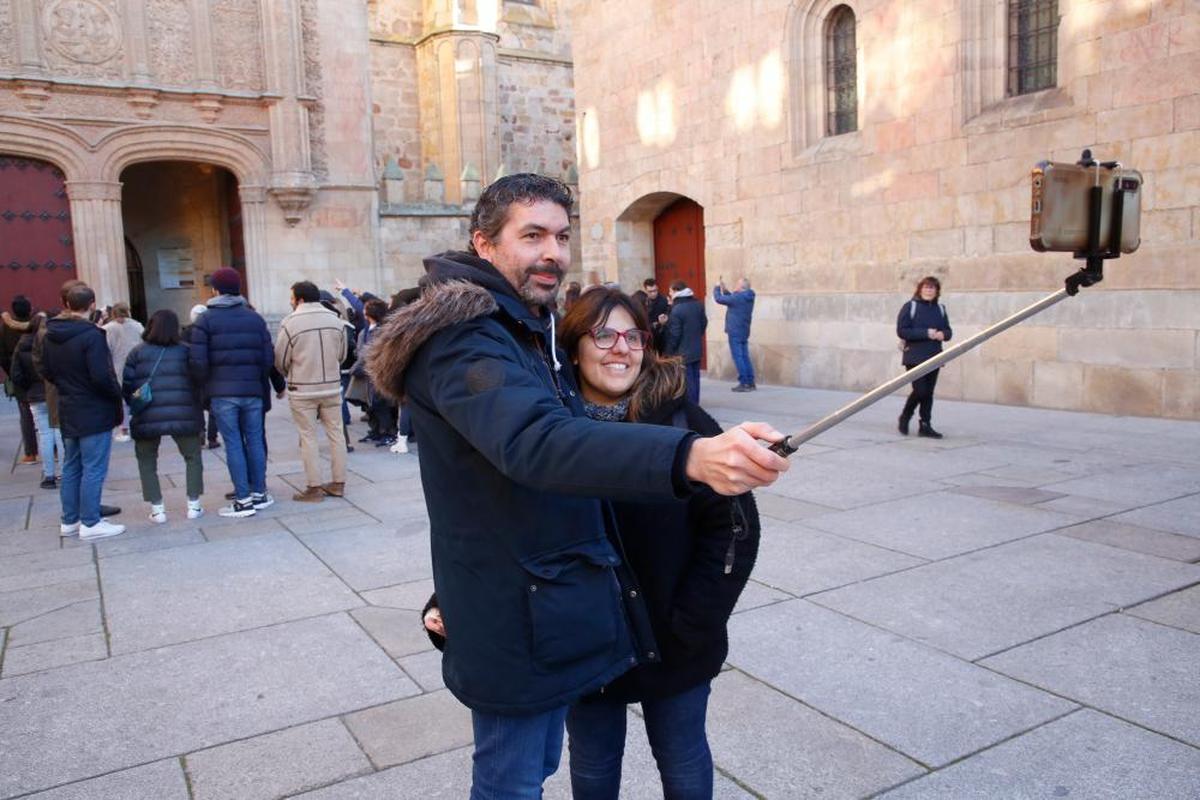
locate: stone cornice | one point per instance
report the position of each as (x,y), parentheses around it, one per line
(77,84)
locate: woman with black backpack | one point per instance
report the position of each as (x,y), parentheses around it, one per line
(164,402)
(922,327)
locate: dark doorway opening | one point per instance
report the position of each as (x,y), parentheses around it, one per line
(679,250)
(182,222)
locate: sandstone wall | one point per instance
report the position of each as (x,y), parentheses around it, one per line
(716,102)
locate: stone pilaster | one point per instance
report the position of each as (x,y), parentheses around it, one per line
(99,238)
(29,36)
(137,51)
(292,180)
(254,235)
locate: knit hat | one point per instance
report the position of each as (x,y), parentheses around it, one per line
(22,308)
(226,280)
(196,311)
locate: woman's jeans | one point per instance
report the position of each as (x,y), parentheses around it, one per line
(241,422)
(515,755)
(48,438)
(921,395)
(675,728)
(85,466)
(146,451)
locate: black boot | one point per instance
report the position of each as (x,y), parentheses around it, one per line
(927,431)
(904,420)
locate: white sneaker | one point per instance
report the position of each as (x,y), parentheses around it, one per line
(262,501)
(101,530)
(401,446)
(68,530)
(194,509)
(120,436)
(239,508)
(158,513)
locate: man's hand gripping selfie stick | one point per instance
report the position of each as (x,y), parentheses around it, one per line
(1091,273)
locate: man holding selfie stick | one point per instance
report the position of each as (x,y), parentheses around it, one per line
(540,608)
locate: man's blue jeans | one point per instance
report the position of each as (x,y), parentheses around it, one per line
(515,755)
(740,349)
(692,375)
(85,466)
(675,727)
(240,421)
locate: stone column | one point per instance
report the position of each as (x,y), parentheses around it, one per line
(99,238)
(458,84)
(292,181)
(254,235)
(137,48)
(29,35)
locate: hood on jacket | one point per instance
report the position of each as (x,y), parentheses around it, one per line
(63,329)
(12,322)
(226,301)
(682,293)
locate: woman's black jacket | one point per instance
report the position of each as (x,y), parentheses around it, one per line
(679,550)
(176,408)
(912,325)
(27,380)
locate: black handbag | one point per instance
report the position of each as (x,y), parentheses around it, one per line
(141,399)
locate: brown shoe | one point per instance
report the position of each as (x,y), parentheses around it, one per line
(28,460)
(334,489)
(313,494)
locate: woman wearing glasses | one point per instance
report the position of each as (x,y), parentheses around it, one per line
(692,558)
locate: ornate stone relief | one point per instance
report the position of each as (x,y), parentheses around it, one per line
(8,39)
(311,45)
(83,37)
(237,43)
(169,34)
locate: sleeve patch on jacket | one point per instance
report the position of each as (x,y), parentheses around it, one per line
(485,375)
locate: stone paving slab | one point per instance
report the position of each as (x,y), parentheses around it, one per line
(321,517)
(14,511)
(29,563)
(1178,516)
(896,458)
(1083,507)
(446,776)
(374,556)
(400,732)
(1135,669)
(49,577)
(173,700)
(1142,485)
(811,481)
(980,603)
(58,653)
(220,528)
(1135,538)
(411,595)
(162,780)
(1179,609)
(756,595)
(146,541)
(26,604)
(775,505)
(425,668)
(1010,494)
(20,542)
(76,619)
(940,525)
(398,631)
(781,748)
(930,706)
(277,764)
(186,593)
(801,560)
(1083,755)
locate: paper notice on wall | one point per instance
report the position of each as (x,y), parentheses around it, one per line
(176,268)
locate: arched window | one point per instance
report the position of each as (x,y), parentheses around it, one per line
(841,77)
(1032,45)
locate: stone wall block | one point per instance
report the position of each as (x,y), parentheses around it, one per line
(1161,153)
(936,244)
(1119,390)
(1184,35)
(1057,385)
(1014,382)
(435,185)
(1025,342)
(1177,188)
(1128,348)
(978,379)
(1181,394)
(1152,119)
(865,369)
(978,240)
(1171,225)
(1187,113)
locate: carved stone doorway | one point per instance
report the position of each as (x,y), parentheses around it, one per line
(182,221)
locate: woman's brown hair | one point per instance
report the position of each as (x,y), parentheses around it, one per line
(661,379)
(928,280)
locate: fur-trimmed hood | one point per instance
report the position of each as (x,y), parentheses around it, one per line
(12,322)
(394,343)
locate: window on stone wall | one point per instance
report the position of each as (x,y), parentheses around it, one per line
(1032,45)
(841,79)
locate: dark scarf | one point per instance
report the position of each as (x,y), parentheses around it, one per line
(614,413)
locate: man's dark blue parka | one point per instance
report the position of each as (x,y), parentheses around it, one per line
(685,328)
(524,564)
(739,308)
(231,351)
(76,359)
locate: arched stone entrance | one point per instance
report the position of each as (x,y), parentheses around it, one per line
(182,220)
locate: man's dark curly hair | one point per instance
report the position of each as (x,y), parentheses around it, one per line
(491,211)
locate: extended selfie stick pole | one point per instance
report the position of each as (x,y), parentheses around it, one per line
(1091,273)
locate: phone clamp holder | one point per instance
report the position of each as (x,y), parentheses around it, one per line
(1093,270)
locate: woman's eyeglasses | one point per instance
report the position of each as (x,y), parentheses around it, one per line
(605,338)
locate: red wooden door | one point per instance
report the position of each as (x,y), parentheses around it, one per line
(37,252)
(679,250)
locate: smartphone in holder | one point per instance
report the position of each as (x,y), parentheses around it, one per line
(1059,218)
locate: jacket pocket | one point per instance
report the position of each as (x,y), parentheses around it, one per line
(574,604)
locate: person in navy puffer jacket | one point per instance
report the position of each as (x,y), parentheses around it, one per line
(232,357)
(923,325)
(175,411)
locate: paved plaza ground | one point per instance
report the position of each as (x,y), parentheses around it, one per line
(1012,612)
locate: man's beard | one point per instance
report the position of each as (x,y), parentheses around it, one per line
(534,293)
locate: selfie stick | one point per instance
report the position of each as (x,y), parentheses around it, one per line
(1091,273)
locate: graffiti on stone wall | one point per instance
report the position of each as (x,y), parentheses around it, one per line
(169,25)
(83,37)
(237,43)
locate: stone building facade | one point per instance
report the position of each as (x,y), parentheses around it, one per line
(290,138)
(727,106)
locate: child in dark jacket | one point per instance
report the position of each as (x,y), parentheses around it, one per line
(922,325)
(175,410)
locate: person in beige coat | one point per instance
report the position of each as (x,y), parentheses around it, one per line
(123,333)
(309,352)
